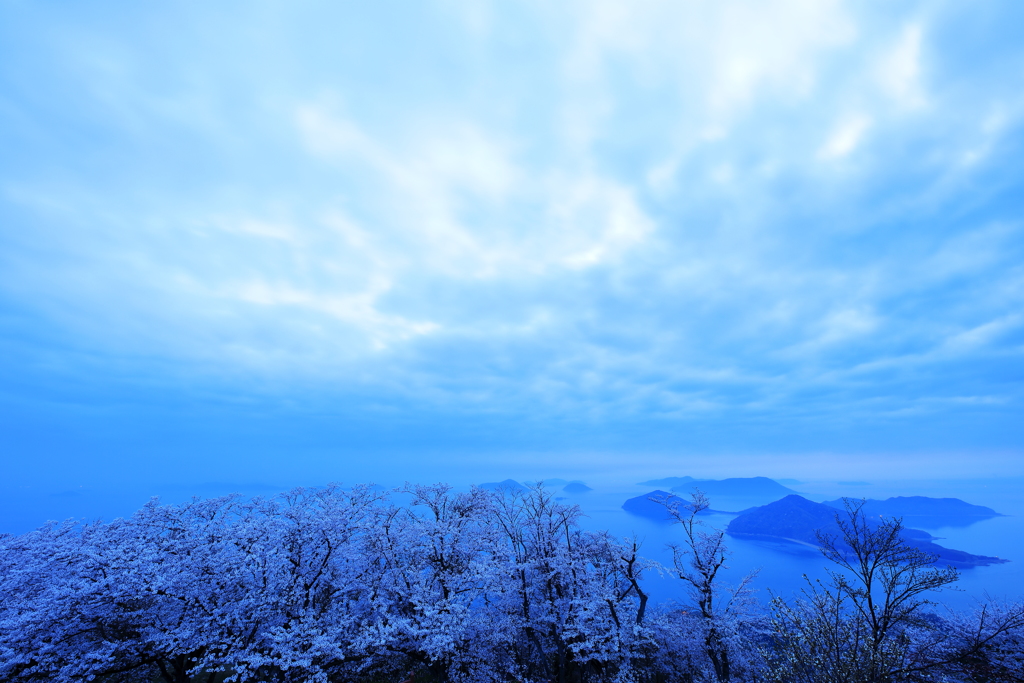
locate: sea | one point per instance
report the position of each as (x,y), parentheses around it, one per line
(779,568)
(787,569)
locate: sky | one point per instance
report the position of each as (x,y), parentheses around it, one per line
(281,243)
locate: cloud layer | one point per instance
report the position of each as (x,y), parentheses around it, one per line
(654,218)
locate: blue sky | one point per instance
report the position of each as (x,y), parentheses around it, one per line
(292,242)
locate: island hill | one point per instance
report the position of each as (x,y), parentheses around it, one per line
(745,490)
(796,519)
(929,512)
(793,518)
(647,506)
(575,486)
(738,493)
(735,487)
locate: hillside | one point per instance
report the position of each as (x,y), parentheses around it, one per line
(737,487)
(797,519)
(643,506)
(932,512)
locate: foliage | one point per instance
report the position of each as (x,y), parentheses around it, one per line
(324,585)
(873,624)
(427,585)
(719,624)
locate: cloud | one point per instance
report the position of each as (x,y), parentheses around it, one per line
(422,193)
(899,69)
(846,137)
(358,309)
(667,211)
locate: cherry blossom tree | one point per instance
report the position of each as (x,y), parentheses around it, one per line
(575,596)
(334,585)
(436,563)
(712,633)
(874,621)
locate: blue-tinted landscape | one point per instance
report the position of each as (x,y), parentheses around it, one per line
(780,563)
(298,301)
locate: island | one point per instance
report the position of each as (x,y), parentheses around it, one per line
(644,506)
(751,489)
(930,512)
(507,485)
(797,520)
(669,482)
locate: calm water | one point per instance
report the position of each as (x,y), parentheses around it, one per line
(781,566)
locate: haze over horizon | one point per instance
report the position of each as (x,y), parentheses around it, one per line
(278,244)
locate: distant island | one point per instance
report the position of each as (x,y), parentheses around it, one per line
(507,485)
(575,486)
(548,482)
(796,519)
(643,506)
(737,487)
(931,512)
(741,491)
(669,482)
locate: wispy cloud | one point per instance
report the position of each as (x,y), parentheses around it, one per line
(674,212)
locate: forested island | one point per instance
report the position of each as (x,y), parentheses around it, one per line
(796,519)
(502,584)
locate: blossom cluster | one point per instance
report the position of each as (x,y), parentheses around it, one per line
(322,585)
(422,583)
